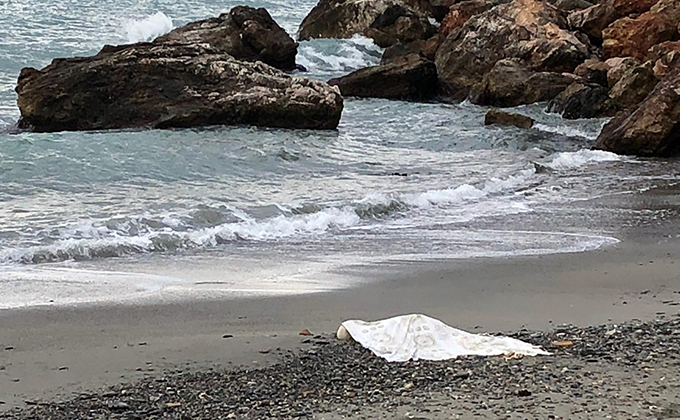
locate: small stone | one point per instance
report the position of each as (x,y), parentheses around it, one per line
(305,332)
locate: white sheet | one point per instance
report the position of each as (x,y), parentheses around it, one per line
(419,337)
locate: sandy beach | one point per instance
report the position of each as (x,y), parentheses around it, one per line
(55,354)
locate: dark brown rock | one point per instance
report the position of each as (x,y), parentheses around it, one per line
(411,78)
(399,24)
(498,117)
(593,71)
(510,84)
(582,100)
(634,86)
(169,84)
(386,21)
(650,129)
(424,47)
(633,37)
(527,29)
(244,33)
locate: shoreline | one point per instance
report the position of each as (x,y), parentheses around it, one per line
(58,352)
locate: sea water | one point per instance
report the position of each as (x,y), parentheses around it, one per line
(226,211)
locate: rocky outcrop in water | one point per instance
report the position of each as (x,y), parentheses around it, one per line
(531,30)
(411,77)
(179,81)
(650,129)
(244,33)
(498,117)
(510,83)
(460,13)
(386,21)
(425,47)
(634,86)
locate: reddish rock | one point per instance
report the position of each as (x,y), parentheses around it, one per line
(650,129)
(593,20)
(459,13)
(634,37)
(665,56)
(531,30)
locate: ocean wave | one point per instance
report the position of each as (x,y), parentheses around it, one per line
(147,29)
(334,57)
(572,160)
(568,131)
(211,227)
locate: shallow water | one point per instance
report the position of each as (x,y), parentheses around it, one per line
(251,210)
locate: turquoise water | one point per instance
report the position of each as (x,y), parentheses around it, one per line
(397,180)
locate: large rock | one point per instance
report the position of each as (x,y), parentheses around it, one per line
(163,85)
(244,33)
(510,84)
(461,12)
(412,78)
(665,56)
(651,129)
(634,86)
(634,37)
(593,20)
(386,21)
(527,29)
(581,100)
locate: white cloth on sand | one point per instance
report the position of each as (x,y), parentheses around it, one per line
(419,337)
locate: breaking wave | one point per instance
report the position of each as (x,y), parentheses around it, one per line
(147,29)
(207,228)
(335,57)
(572,160)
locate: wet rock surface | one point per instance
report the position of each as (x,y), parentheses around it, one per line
(621,371)
(498,117)
(583,100)
(411,77)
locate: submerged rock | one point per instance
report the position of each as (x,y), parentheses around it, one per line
(498,117)
(533,31)
(244,33)
(510,84)
(170,84)
(650,129)
(386,21)
(411,77)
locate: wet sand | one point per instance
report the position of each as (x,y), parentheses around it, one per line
(54,353)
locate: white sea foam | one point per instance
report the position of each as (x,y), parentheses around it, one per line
(571,160)
(324,56)
(568,131)
(147,29)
